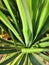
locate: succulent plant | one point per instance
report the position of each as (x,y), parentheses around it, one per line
(26,22)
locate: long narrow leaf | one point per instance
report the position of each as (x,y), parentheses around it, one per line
(35,8)
(11,13)
(27,26)
(40,8)
(16,59)
(34,50)
(29,6)
(6,47)
(26,60)
(19,60)
(9,58)
(35,60)
(44,56)
(9,25)
(44,39)
(43,17)
(4,27)
(46,26)
(22,60)
(7,51)
(43,44)
(6,41)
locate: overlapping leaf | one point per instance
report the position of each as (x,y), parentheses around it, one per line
(27,26)
(34,20)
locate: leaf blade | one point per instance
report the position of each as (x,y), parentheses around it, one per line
(9,25)
(26,28)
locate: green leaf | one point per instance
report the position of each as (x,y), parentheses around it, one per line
(12,14)
(10,58)
(13,37)
(46,26)
(44,39)
(29,6)
(18,62)
(40,8)
(43,44)
(34,50)
(7,51)
(9,25)
(22,60)
(29,61)
(44,56)
(26,60)
(35,61)
(5,12)
(0,30)
(6,41)
(13,7)
(16,42)
(41,2)
(1,5)
(35,9)
(26,21)
(6,47)
(16,59)
(43,18)
(35,6)
(4,27)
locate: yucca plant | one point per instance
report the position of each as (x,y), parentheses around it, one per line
(26,22)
